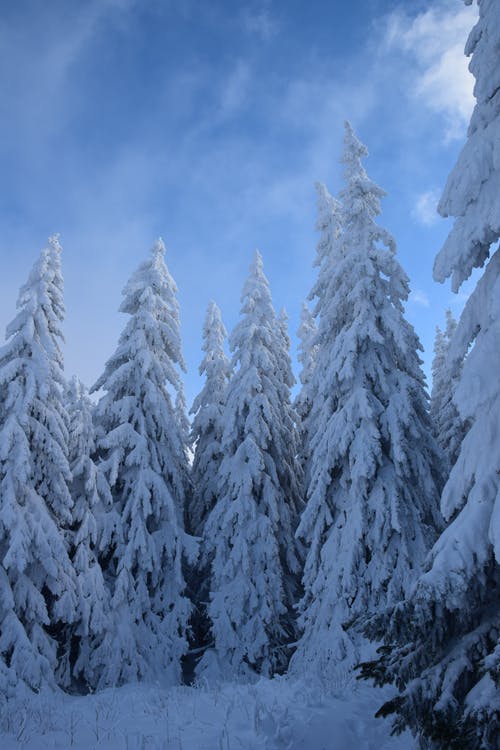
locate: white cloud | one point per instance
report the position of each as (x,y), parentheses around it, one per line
(235,89)
(425,211)
(260,23)
(418,297)
(434,41)
(36,96)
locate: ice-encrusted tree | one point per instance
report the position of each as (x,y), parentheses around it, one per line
(307,354)
(37,586)
(328,225)
(180,409)
(290,472)
(330,243)
(373,495)
(248,607)
(139,442)
(206,442)
(438,372)
(448,425)
(443,647)
(93,529)
(207,426)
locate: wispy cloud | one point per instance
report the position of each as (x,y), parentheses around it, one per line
(260,22)
(37,95)
(424,210)
(221,156)
(434,42)
(234,91)
(418,297)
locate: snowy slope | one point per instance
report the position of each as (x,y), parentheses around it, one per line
(270,715)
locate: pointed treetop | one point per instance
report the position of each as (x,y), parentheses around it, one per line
(354,174)
(214,331)
(54,244)
(257,263)
(158,249)
(213,314)
(41,305)
(451,324)
(439,354)
(214,336)
(152,274)
(306,331)
(352,145)
(256,287)
(361,197)
(307,321)
(47,267)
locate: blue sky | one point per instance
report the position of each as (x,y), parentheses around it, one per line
(208,123)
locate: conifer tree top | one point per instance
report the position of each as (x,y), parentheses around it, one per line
(40,303)
(256,301)
(360,196)
(214,334)
(215,367)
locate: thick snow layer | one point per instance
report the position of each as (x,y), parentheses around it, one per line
(269,715)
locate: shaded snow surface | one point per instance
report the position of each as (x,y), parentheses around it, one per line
(268,715)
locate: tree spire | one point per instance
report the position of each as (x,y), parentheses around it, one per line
(36,578)
(141,449)
(373,485)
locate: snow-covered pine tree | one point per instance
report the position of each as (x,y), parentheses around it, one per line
(290,472)
(448,426)
(330,244)
(373,494)
(451,326)
(439,381)
(329,226)
(206,440)
(248,606)
(307,353)
(139,442)
(180,409)
(207,427)
(93,528)
(443,647)
(37,584)
(286,431)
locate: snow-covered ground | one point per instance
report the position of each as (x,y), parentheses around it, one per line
(271,714)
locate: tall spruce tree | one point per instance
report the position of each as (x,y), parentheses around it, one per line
(95,524)
(372,507)
(206,442)
(248,608)
(290,472)
(307,354)
(139,441)
(37,584)
(328,225)
(448,425)
(207,427)
(443,645)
